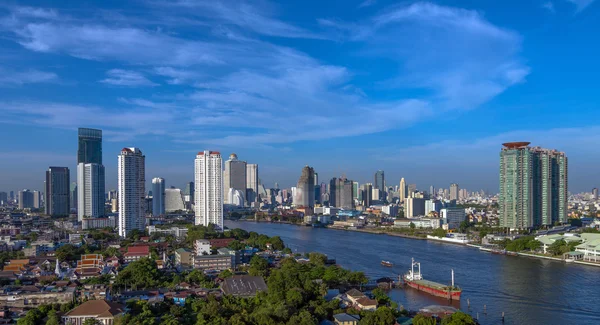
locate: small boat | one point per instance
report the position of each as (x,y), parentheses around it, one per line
(512,253)
(498,251)
(569,260)
(387,263)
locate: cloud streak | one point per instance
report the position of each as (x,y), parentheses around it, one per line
(126,78)
(19,78)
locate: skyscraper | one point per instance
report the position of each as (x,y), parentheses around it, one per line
(132,190)
(90,190)
(3,198)
(355,190)
(234,177)
(57,192)
(208,193)
(533,186)
(73,196)
(347,194)
(188,194)
(305,191)
(379,180)
(454,192)
(37,199)
(25,198)
(89,150)
(432,192)
(402,190)
(158,196)
(173,200)
(251,183)
(595,194)
(90,174)
(367,193)
(335,192)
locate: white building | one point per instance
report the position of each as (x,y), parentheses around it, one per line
(90,191)
(432,205)
(234,177)
(208,192)
(419,223)
(158,196)
(173,200)
(132,190)
(251,183)
(96,223)
(235,197)
(453,217)
(202,246)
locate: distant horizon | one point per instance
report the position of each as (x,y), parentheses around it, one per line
(425,90)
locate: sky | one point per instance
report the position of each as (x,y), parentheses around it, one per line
(425,90)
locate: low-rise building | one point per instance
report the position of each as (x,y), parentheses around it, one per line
(243,285)
(202,246)
(135,253)
(184,258)
(419,223)
(178,232)
(213,262)
(97,223)
(346,319)
(33,296)
(101,310)
(453,217)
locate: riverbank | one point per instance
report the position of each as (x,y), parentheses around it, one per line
(481,248)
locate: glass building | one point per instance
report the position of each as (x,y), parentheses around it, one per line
(89,150)
(533,186)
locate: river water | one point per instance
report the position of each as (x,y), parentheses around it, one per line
(527,290)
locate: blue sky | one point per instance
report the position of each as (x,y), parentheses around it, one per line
(424,90)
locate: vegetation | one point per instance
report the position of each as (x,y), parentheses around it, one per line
(560,247)
(521,244)
(439,232)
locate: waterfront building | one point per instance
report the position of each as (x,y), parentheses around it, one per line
(25,198)
(158,196)
(305,190)
(90,190)
(208,192)
(57,192)
(453,216)
(425,223)
(402,190)
(132,190)
(379,180)
(252,192)
(533,186)
(234,177)
(414,207)
(173,200)
(454,192)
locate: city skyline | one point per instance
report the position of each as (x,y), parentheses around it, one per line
(268,78)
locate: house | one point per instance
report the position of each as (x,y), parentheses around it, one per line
(366,304)
(243,285)
(135,253)
(353,295)
(346,319)
(101,310)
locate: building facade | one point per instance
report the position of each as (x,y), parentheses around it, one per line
(533,186)
(305,190)
(132,190)
(57,192)
(234,177)
(25,198)
(174,200)
(252,183)
(158,196)
(89,149)
(90,190)
(379,180)
(208,191)
(454,192)
(414,207)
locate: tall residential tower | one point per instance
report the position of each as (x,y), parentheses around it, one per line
(132,190)
(57,192)
(208,193)
(158,196)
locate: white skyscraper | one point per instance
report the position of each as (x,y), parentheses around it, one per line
(251,183)
(158,196)
(90,191)
(132,190)
(402,190)
(208,192)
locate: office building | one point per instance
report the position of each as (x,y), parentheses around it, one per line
(252,194)
(57,192)
(25,198)
(208,192)
(379,181)
(90,191)
(305,190)
(37,199)
(132,190)
(454,192)
(347,194)
(355,190)
(316,179)
(188,193)
(402,190)
(432,192)
(432,205)
(376,194)
(174,200)
(453,217)
(89,150)
(595,194)
(73,196)
(3,198)
(158,196)
(533,186)
(234,178)
(414,207)
(367,194)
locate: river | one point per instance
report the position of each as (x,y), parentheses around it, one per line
(527,290)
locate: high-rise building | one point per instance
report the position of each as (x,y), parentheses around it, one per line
(173,200)
(347,194)
(234,177)
(355,187)
(252,194)
(158,196)
(3,198)
(402,190)
(89,150)
(57,192)
(454,192)
(595,194)
(414,207)
(316,179)
(188,193)
(411,189)
(208,192)
(431,192)
(90,191)
(533,186)
(432,205)
(367,193)
(379,181)
(37,199)
(335,192)
(305,190)
(12,195)
(132,190)
(25,198)
(73,196)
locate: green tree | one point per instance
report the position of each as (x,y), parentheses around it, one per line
(458,318)
(139,275)
(225,274)
(236,245)
(53,319)
(412,226)
(381,297)
(381,316)
(317,258)
(421,319)
(439,232)
(258,266)
(534,245)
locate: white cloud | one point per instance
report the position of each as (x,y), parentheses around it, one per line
(127,78)
(549,6)
(581,4)
(367,3)
(177,76)
(18,78)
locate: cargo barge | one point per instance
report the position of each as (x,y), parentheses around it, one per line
(414,279)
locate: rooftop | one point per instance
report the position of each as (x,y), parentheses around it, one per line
(516,145)
(243,285)
(97,308)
